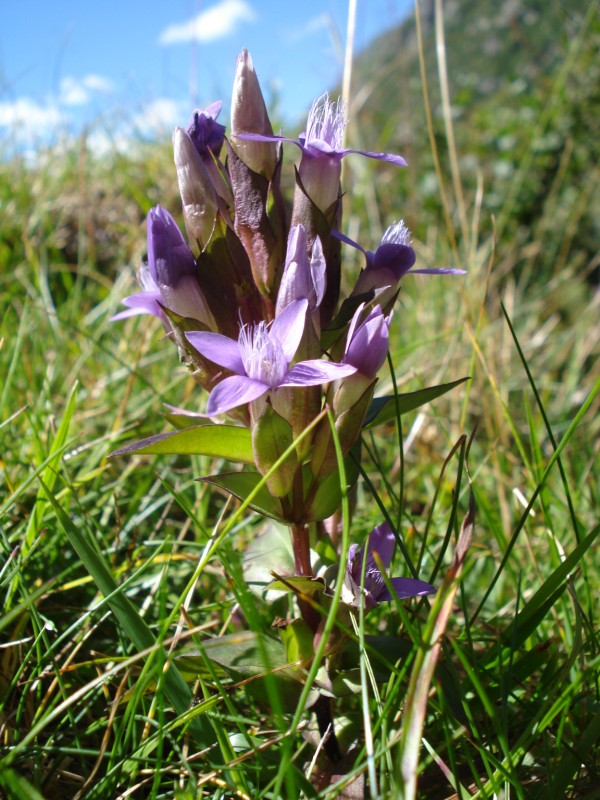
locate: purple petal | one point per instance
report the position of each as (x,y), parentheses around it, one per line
(367,344)
(440,271)
(407,587)
(141,303)
(397,258)
(347,240)
(261,137)
(233,392)
(218,348)
(318,268)
(296,272)
(288,327)
(382,542)
(184,412)
(389,157)
(316,371)
(205,132)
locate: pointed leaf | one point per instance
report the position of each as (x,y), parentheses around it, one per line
(298,585)
(241,484)
(217,441)
(269,552)
(383,409)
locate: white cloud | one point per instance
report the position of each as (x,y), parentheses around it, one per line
(97,83)
(216,22)
(159,117)
(78,91)
(28,115)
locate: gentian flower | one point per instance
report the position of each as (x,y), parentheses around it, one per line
(170,276)
(205,132)
(322,151)
(302,276)
(260,360)
(367,343)
(380,541)
(391,261)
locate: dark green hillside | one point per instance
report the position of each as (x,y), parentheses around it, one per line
(524,84)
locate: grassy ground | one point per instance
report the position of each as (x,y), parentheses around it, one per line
(513,709)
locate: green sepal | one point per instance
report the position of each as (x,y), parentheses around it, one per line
(216,441)
(299,585)
(241,485)
(384,409)
(327,497)
(202,370)
(271,437)
(347,425)
(298,640)
(226,280)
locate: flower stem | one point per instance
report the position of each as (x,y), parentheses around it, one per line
(301,546)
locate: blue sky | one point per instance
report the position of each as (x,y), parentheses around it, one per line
(124,65)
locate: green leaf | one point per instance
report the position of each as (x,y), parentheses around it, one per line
(217,441)
(301,585)
(298,640)
(269,552)
(241,484)
(547,595)
(245,653)
(383,409)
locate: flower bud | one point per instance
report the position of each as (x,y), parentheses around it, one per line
(205,132)
(173,268)
(249,115)
(367,344)
(302,276)
(197,191)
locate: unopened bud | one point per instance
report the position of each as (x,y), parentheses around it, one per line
(198,194)
(249,115)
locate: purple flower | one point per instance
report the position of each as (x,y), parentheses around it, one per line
(391,261)
(170,276)
(367,343)
(205,132)
(322,151)
(323,136)
(302,276)
(260,360)
(380,541)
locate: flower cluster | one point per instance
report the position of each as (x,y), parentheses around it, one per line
(252,300)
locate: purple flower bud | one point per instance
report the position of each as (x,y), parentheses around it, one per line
(381,541)
(367,343)
(249,116)
(302,276)
(205,132)
(173,268)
